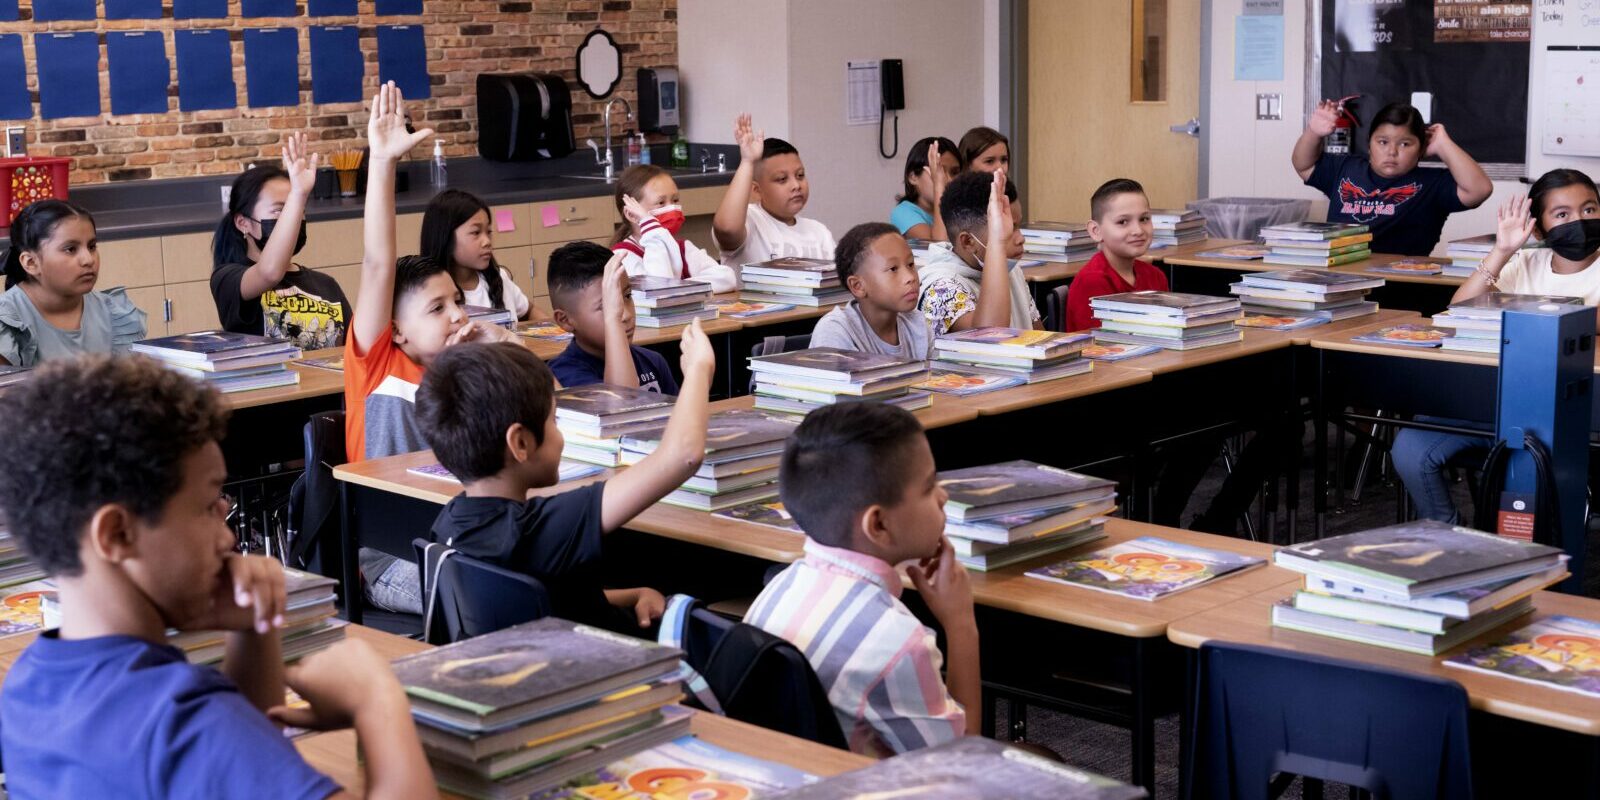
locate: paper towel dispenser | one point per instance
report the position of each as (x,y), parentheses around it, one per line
(524,117)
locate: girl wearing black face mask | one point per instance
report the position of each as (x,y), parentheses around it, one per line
(1563,209)
(256,284)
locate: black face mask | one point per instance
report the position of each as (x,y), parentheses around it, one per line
(266,233)
(1575,240)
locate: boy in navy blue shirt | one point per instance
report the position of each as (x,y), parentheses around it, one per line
(122,503)
(489,412)
(589,290)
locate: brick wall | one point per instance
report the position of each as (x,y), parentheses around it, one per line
(465,38)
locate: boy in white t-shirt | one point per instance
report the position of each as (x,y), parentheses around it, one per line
(771,227)
(1563,208)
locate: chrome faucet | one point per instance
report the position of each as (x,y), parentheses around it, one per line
(610,159)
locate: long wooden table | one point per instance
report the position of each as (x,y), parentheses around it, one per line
(1190,272)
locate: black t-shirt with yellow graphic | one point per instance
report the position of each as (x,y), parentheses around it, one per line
(307,307)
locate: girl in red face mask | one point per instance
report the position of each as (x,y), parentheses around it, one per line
(647,237)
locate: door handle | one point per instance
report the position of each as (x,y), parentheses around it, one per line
(1192,128)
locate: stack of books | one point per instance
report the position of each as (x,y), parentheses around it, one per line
(1005,513)
(1466,254)
(15,566)
(547,331)
(1316,244)
(1422,587)
(809,282)
(799,381)
(1476,322)
(530,707)
(309,623)
(1175,226)
(1171,320)
(972,768)
(229,362)
(13,374)
(594,418)
(1065,242)
(1307,293)
(743,449)
(1028,355)
(567,471)
(492,316)
(664,302)
(1146,568)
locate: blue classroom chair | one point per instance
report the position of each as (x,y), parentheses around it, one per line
(467,597)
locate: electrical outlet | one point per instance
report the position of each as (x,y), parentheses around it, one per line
(1269,106)
(16,142)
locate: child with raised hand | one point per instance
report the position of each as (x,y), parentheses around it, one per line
(589,290)
(771,227)
(121,503)
(489,412)
(50,308)
(1404,206)
(968,282)
(1563,209)
(875,264)
(984,149)
(458,232)
(408,311)
(647,238)
(930,165)
(255,283)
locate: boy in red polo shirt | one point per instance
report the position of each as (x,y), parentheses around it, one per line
(1120,222)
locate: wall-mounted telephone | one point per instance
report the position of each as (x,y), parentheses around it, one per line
(891,76)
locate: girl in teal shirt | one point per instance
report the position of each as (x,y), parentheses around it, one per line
(917,214)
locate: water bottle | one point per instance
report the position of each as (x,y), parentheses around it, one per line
(437,174)
(680,151)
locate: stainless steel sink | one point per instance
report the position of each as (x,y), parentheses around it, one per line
(674,171)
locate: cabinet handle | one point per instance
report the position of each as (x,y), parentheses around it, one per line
(166,309)
(575,219)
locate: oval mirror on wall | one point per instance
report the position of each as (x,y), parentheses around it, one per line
(599,63)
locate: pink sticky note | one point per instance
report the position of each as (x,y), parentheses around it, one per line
(504,222)
(550,216)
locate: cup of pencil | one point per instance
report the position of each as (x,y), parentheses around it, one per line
(347,163)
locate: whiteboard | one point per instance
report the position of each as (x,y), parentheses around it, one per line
(1564,114)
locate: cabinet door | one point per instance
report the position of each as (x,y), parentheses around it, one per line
(336,242)
(541,261)
(516,259)
(408,234)
(192,308)
(701,200)
(152,300)
(349,278)
(131,263)
(186,257)
(559,221)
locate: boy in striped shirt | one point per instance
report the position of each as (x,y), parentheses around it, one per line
(860,480)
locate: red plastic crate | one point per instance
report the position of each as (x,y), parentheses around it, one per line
(28,180)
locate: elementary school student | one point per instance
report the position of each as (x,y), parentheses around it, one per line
(875,264)
(589,290)
(771,227)
(408,311)
(458,233)
(860,480)
(121,503)
(1120,221)
(489,412)
(1563,210)
(931,165)
(1404,206)
(255,283)
(647,198)
(986,150)
(50,308)
(968,281)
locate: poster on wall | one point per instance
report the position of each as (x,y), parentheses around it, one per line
(133,9)
(1367,26)
(137,64)
(403,58)
(199,9)
(331,8)
(55,10)
(8,11)
(1481,21)
(205,70)
(336,66)
(1571,101)
(271,67)
(69,74)
(14,102)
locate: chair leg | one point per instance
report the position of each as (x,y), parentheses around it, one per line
(1018,717)
(1366,459)
(1311,789)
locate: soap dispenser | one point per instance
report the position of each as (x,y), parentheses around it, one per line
(437,174)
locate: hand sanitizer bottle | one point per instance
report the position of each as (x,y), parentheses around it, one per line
(437,174)
(644,150)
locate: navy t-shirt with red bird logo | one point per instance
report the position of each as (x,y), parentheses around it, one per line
(1406,213)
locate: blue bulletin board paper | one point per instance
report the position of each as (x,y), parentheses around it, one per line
(336,65)
(271,67)
(14,101)
(69,74)
(205,70)
(403,58)
(137,63)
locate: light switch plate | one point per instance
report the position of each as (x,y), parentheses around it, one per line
(16,141)
(1269,106)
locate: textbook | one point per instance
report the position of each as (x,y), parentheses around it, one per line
(1012,528)
(1116,352)
(699,501)
(333,363)
(1297,260)
(1484,311)
(602,404)
(1405,335)
(1032,344)
(570,471)
(985,556)
(1285,615)
(644,320)
(1045,371)
(961,384)
(1558,652)
(1278,323)
(1311,231)
(810,301)
(1239,252)
(1460,604)
(1063,231)
(1117,337)
(1341,311)
(765,512)
(1173,304)
(646,290)
(1418,559)
(1328,248)
(1409,266)
(634,700)
(1171,332)
(766,401)
(526,672)
(793,270)
(1013,487)
(970,768)
(1146,568)
(13,374)
(1310,281)
(210,346)
(1296,300)
(731,436)
(686,768)
(542,330)
(745,309)
(832,364)
(491,316)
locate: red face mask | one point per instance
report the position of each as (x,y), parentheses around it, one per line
(671,218)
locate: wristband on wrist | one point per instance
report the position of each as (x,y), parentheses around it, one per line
(1489,278)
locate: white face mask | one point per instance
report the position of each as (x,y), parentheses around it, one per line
(984,255)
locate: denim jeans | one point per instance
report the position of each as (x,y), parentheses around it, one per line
(392,584)
(1420,458)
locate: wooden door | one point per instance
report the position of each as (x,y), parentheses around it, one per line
(1085,128)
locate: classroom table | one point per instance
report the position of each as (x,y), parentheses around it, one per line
(1427,294)
(334,753)
(1249,621)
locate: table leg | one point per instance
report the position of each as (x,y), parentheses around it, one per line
(1144,720)
(350,548)
(1319,449)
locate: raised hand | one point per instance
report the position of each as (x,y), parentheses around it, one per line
(387,137)
(695,351)
(937,174)
(1000,222)
(300,164)
(634,213)
(1515,225)
(1438,138)
(614,287)
(751,141)
(1324,118)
